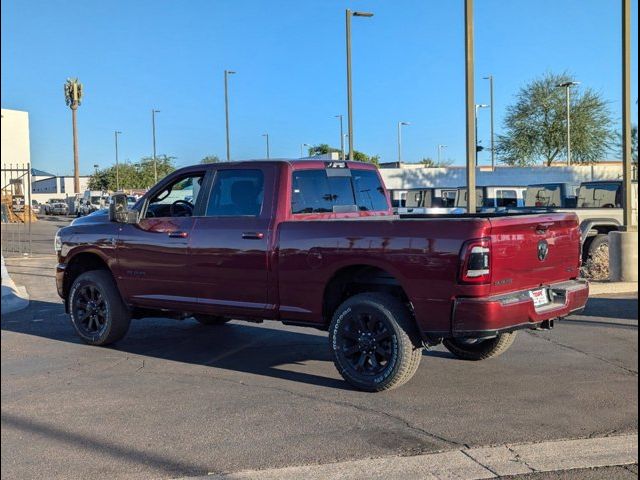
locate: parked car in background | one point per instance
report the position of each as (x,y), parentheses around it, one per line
(59,208)
(316,244)
(35,207)
(47,206)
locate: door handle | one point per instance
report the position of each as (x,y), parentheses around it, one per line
(253,235)
(178,234)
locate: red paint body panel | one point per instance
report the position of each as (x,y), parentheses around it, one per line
(277,265)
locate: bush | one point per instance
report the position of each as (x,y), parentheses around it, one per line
(596,266)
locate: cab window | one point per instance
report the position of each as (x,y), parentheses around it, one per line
(178,199)
(236,193)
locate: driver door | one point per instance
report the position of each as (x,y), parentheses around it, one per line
(153,255)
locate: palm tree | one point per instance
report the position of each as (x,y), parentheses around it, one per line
(73,99)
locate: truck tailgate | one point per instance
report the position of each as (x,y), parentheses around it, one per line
(531,251)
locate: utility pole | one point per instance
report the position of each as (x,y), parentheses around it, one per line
(400,125)
(470,106)
(493,146)
(350,14)
(153,129)
(475,120)
(440,147)
(266,135)
(341,138)
(116,133)
(567,86)
(226,109)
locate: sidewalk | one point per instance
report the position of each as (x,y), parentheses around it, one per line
(13,297)
(605,287)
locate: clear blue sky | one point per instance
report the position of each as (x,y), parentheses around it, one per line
(408,65)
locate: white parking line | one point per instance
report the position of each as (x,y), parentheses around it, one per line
(467,464)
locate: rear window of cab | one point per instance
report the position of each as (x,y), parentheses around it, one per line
(340,190)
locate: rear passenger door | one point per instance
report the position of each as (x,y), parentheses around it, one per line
(230,264)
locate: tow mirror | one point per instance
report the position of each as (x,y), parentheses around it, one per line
(119,210)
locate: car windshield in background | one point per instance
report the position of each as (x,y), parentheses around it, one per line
(314,191)
(601,195)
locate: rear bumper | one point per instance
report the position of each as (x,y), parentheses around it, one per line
(474,317)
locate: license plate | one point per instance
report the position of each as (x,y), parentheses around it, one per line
(539,297)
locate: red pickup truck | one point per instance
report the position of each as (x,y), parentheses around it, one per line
(316,243)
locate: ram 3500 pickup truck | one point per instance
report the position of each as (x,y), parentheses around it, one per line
(316,243)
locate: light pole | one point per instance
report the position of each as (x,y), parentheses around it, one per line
(440,148)
(153,129)
(350,14)
(95,168)
(73,99)
(400,125)
(226,109)
(478,106)
(567,87)
(266,135)
(493,147)
(115,134)
(341,137)
(470,102)
(302,149)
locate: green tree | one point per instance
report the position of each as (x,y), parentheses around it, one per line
(429,162)
(132,175)
(210,159)
(535,126)
(324,148)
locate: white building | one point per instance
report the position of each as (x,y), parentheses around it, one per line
(15,153)
(46,185)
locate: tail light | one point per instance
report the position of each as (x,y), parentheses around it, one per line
(475,261)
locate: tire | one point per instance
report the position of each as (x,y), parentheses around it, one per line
(478,349)
(374,342)
(211,319)
(107,318)
(599,241)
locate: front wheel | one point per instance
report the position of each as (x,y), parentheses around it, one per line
(480,348)
(374,342)
(98,313)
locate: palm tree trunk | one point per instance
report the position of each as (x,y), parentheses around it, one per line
(76,172)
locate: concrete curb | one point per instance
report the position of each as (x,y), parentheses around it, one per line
(13,298)
(467,464)
(603,288)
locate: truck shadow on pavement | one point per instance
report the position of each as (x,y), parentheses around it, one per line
(258,349)
(245,347)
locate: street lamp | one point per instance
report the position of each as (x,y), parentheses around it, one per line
(153,129)
(440,148)
(341,137)
(567,86)
(226,109)
(266,135)
(116,133)
(478,147)
(493,148)
(302,149)
(469,102)
(400,125)
(348,15)
(95,168)
(73,98)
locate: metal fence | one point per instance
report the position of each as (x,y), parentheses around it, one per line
(16,211)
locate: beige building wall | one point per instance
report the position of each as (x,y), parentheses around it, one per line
(15,151)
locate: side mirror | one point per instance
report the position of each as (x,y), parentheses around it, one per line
(119,211)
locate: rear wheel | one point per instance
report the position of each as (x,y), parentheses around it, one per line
(479,348)
(211,319)
(374,342)
(98,313)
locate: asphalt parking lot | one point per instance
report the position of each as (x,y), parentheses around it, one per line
(176,398)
